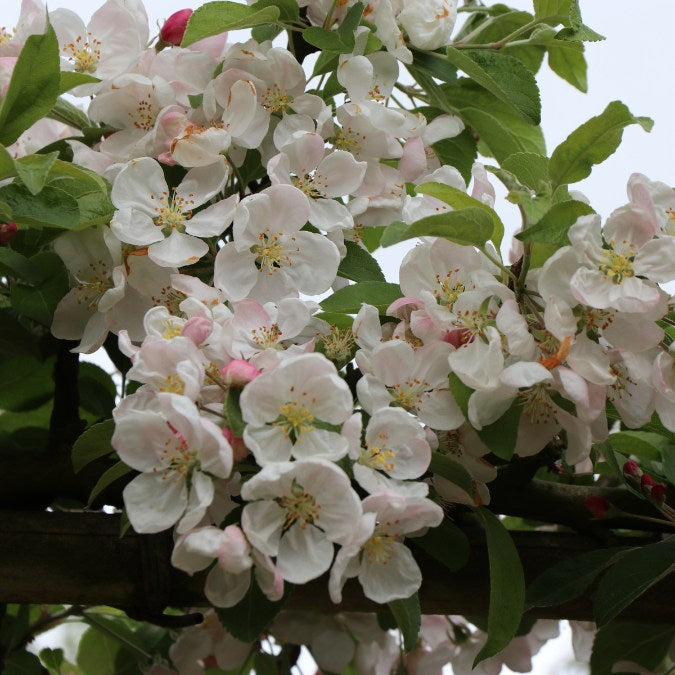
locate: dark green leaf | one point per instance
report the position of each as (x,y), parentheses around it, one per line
(500,436)
(39,302)
(115,472)
(34,169)
(66,112)
(447,543)
(325,63)
(529,168)
(26,383)
(15,340)
(348,300)
(591,143)
(553,227)
(459,152)
(51,208)
(13,264)
(371,236)
(631,576)
(93,444)
(642,643)
(460,200)
(359,265)
(504,76)
(97,390)
(507,586)
(33,88)
(267,31)
(645,444)
(233,412)
(52,659)
(470,226)
(214,18)
(265,664)
(570,578)
(341,40)
(451,470)
(288,9)
(408,617)
(70,79)
(251,616)
(22,663)
(435,65)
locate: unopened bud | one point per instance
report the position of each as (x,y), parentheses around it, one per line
(631,468)
(197,329)
(658,493)
(238,373)
(239,450)
(646,483)
(598,506)
(174,27)
(7,232)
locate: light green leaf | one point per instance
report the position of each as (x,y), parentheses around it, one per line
(642,643)
(66,112)
(341,40)
(504,76)
(507,586)
(33,88)
(34,169)
(371,236)
(101,654)
(451,470)
(70,79)
(50,208)
(460,200)
(348,300)
(566,59)
(93,444)
(643,444)
(408,617)
(447,544)
(553,227)
(469,227)
(214,18)
(631,576)
(115,472)
(529,168)
(233,411)
(568,579)
(592,143)
(7,167)
(359,265)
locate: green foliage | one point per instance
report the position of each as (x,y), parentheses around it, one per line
(348,300)
(359,265)
(500,436)
(34,169)
(107,478)
(507,586)
(529,168)
(447,544)
(26,383)
(593,142)
(408,617)
(214,18)
(52,207)
(460,152)
(553,227)
(93,444)
(451,470)
(33,88)
(97,390)
(232,411)
(341,40)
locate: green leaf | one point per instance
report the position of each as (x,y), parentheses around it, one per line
(592,143)
(7,167)
(645,444)
(570,578)
(359,265)
(115,472)
(38,302)
(34,86)
(500,436)
(460,392)
(447,544)
(341,40)
(448,468)
(33,170)
(69,79)
(93,444)
(507,586)
(566,59)
(51,208)
(66,112)
(27,383)
(631,576)
(469,227)
(13,264)
(22,663)
(504,76)
(288,9)
(553,227)
(642,643)
(249,618)
(266,31)
(265,664)
(214,18)
(436,65)
(460,200)
(101,654)
(348,300)
(15,339)
(371,236)
(52,659)
(408,617)
(460,152)
(669,463)
(233,412)
(529,168)
(97,390)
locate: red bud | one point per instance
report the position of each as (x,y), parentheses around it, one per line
(631,468)
(598,506)
(7,232)
(658,493)
(174,27)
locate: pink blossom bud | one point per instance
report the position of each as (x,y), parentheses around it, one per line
(198,328)
(598,506)
(7,232)
(238,373)
(658,493)
(174,27)
(631,468)
(239,450)
(646,483)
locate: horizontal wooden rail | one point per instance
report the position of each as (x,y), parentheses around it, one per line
(79,558)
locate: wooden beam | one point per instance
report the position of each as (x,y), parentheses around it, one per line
(79,558)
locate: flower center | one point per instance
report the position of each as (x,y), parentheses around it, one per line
(275,99)
(171,330)
(447,292)
(270,254)
(537,404)
(338,344)
(294,418)
(377,457)
(177,456)
(94,281)
(174,384)
(300,507)
(347,139)
(379,549)
(407,394)
(307,184)
(84,54)
(172,213)
(144,116)
(5,36)
(618,266)
(266,337)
